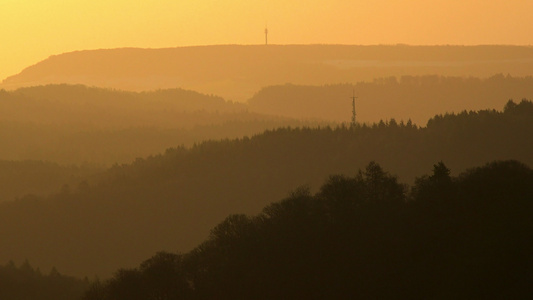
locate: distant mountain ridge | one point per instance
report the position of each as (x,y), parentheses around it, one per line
(236,72)
(75,124)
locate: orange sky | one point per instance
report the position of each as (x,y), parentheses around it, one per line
(32,30)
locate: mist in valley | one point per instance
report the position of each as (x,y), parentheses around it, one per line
(171,152)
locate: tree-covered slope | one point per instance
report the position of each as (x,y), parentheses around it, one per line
(417,98)
(364,236)
(170,201)
(20,178)
(83,106)
(78,124)
(26,283)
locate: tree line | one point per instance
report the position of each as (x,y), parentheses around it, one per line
(75,124)
(171,201)
(27,283)
(22,178)
(405,97)
(364,236)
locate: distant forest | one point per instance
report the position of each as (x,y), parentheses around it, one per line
(417,98)
(170,201)
(361,236)
(116,185)
(80,125)
(364,236)
(20,178)
(27,283)
(74,124)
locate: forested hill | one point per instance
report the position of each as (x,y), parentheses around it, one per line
(170,201)
(69,124)
(75,124)
(236,72)
(83,106)
(20,178)
(406,97)
(363,236)
(25,283)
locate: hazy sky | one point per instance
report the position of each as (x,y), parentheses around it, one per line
(32,30)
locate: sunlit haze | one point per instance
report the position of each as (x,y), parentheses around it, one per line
(274,149)
(33,30)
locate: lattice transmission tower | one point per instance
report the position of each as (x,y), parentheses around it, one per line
(353,108)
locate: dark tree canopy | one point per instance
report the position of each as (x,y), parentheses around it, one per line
(365,236)
(27,283)
(171,201)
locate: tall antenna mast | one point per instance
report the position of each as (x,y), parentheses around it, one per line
(266,34)
(353,108)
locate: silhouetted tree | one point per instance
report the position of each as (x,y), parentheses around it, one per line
(127,284)
(165,193)
(25,282)
(358,237)
(163,277)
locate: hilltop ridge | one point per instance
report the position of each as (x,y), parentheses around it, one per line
(236,72)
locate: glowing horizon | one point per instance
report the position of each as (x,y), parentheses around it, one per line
(35,30)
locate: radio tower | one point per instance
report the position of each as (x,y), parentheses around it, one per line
(353,108)
(266,35)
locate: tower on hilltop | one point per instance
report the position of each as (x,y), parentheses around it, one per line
(353,108)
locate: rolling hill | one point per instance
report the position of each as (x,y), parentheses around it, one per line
(236,72)
(170,201)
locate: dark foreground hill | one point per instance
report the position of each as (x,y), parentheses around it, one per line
(170,202)
(25,282)
(360,237)
(237,72)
